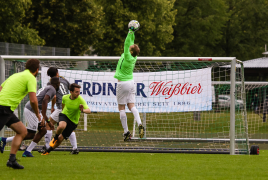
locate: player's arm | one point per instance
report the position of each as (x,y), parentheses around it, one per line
(44,107)
(128,42)
(31,86)
(1,88)
(63,102)
(84,107)
(34,103)
(53,104)
(87,111)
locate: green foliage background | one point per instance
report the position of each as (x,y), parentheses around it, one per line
(231,28)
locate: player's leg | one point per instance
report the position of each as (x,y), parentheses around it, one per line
(63,119)
(131,106)
(64,130)
(54,119)
(21,132)
(49,133)
(5,114)
(3,141)
(60,129)
(121,96)
(10,139)
(32,127)
(135,112)
(73,142)
(9,119)
(38,136)
(58,138)
(123,118)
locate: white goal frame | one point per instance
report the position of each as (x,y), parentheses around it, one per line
(233,61)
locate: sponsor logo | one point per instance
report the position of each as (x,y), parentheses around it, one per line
(106,89)
(204,59)
(168,89)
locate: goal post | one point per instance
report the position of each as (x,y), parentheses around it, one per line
(173,128)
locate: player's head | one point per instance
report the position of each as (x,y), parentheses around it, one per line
(33,66)
(75,90)
(52,72)
(134,50)
(55,82)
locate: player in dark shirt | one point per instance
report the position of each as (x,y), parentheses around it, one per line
(54,117)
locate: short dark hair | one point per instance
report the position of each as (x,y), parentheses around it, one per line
(54,81)
(135,50)
(52,71)
(72,86)
(32,65)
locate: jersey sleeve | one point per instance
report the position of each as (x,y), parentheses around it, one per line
(68,83)
(51,92)
(3,84)
(128,42)
(83,102)
(63,99)
(31,85)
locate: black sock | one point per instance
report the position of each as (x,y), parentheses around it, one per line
(12,157)
(50,149)
(56,137)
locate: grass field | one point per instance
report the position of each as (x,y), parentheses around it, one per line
(105,129)
(61,165)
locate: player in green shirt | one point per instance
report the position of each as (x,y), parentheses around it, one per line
(12,91)
(72,105)
(125,90)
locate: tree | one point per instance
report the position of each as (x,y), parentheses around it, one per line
(198,27)
(246,29)
(68,23)
(156,18)
(12,30)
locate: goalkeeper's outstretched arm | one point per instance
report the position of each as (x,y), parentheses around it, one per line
(128,42)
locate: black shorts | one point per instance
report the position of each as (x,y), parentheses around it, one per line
(69,128)
(7,117)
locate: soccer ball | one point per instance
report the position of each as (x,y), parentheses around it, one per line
(134,25)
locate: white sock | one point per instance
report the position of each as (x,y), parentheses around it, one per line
(48,138)
(123,118)
(32,145)
(136,115)
(73,141)
(9,139)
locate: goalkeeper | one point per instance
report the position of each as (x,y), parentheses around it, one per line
(125,91)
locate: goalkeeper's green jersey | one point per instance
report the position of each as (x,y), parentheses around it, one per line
(126,64)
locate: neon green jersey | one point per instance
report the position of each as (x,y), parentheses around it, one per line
(71,108)
(126,64)
(16,87)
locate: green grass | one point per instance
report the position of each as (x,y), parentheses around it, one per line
(105,129)
(210,122)
(61,165)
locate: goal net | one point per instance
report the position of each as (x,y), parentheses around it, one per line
(186,104)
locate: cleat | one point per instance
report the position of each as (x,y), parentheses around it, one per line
(14,164)
(141,131)
(44,148)
(27,154)
(52,143)
(45,153)
(74,151)
(127,136)
(2,145)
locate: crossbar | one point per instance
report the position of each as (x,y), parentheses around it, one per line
(116,58)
